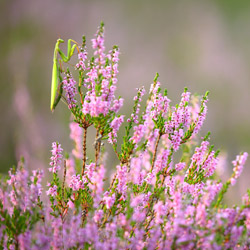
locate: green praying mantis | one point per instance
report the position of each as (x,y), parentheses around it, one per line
(56,70)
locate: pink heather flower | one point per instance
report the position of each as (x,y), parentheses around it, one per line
(246,200)
(236,232)
(86,107)
(122,220)
(76,183)
(146,163)
(70,165)
(155,240)
(137,99)
(146,198)
(13,198)
(139,132)
(98,42)
(238,167)
(70,89)
(210,164)
(194,189)
(154,88)
(111,95)
(179,166)
(150,178)
(117,104)
(247,222)
(36,186)
(72,233)
(52,191)
(198,158)
(137,241)
(200,119)
(160,210)
(108,200)
(90,170)
(76,136)
(21,193)
(136,201)
(212,189)
(56,157)
(189,214)
(24,240)
(153,134)
(114,55)
(113,241)
(82,56)
(115,125)
(139,216)
(3,198)
(184,109)
(185,98)
(71,204)
(114,64)
(98,46)
(12,179)
(177,204)
(137,174)
(37,176)
(201,215)
(107,74)
(159,104)
(98,216)
(95,105)
(176,139)
(181,115)
(92,76)
(170,185)
(162,160)
(57,242)
(122,180)
(97,187)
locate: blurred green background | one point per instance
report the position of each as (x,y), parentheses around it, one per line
(203,45)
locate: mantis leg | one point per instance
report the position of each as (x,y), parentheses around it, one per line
(55,71)
(70,51)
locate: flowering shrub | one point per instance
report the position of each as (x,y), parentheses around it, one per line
(164,193)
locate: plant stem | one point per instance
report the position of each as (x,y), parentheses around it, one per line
(97,145)
(84,149)
(64,177)
(155,151)
(166,168)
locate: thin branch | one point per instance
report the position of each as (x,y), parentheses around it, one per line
(84,149)
(97,145)
(64,177)
(155,151)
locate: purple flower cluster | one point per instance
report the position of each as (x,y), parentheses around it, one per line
(76,136)
(56,157)
(157,198)
(238,167)
(70,89)
(52,190)
(100,78)
(115,125)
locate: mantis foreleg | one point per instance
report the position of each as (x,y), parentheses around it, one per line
(56,72)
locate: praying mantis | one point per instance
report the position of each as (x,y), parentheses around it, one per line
(56,70)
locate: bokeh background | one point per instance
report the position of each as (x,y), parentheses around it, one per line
(202,45)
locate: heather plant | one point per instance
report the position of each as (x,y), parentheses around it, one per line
(164,194)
